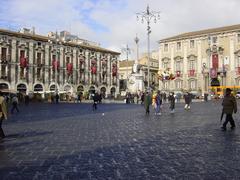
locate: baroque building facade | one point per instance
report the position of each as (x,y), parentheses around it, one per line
(33,63)
(201,60)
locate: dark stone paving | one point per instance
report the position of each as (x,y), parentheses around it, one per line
(69,141)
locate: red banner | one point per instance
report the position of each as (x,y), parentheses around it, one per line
(69,68)
(55,64)
(94,70)
(215,61)
(114,71)
(178,73)
(213,73)
(191,73)
(23,62)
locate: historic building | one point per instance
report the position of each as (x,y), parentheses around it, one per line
(201,60)
(33,63)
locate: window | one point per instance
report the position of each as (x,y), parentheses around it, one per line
(178,45)
(178,65)
(178,84)
(214,39)
(165,65)
(192,84)
(165,47)
(165,85)
(192,44)
(192,65)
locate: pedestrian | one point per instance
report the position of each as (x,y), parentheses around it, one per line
(14,104)
(205,96)
(229,106)
(95,100)
(158,101)
(171,100)
(188,99)
(142,98)
(147,102)
(3,114)
(57,98)
(27,100)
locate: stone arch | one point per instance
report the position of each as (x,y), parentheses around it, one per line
(80,88)
(22,88)
(103,91)
(4,86)
(38,88)
(113,91)
(92,89)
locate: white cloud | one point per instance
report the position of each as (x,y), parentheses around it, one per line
(119,18)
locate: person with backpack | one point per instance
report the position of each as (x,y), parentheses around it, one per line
(3,114)
(171,100)
(147,102)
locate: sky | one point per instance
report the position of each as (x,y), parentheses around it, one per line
(113,23)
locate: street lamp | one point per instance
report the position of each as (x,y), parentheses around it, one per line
(127,51)
(148,16)
(136,39)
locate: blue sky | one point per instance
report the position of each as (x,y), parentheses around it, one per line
(112,23)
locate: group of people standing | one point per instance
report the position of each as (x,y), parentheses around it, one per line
(156,100)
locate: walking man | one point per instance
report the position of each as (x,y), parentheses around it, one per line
(3,114)
(147,102)
(188,99)
(158,103)
(229,106)
(14,104)
(95,101)
(171,100)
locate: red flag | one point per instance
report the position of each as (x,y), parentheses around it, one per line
(69,68)
(215,61)
(192,72)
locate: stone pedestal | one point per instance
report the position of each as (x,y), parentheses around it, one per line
(135,83)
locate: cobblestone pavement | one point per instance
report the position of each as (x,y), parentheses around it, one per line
(70,141)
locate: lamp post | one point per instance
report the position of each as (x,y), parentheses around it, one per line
(127,51)
(136,39)
(148,16)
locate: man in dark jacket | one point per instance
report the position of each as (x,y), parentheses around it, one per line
(229,106)
(188,100)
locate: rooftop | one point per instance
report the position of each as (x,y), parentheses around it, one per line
(46,39)
(202,33)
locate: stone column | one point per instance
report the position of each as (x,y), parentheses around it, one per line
(172,64)
(185,65)
(31,67)
(13,65)
(86,72)
(74,61)
(60,55)
(98,68)
(47,67)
